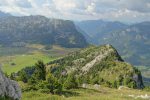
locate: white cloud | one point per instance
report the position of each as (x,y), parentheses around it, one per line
(122,10)
(64,4)
(148,5)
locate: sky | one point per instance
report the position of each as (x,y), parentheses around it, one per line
(113,10)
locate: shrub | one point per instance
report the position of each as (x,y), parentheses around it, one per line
(52,84)
(71,82)
(23,77)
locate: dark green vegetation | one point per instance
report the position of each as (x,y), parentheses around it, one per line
(38,78)
(17,31)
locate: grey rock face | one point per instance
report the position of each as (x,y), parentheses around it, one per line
(138,79)
(9,87)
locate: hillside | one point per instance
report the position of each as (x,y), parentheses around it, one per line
(17,31)
(97,65)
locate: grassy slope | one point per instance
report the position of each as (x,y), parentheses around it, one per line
(12,59)
(22,61)
(101,93)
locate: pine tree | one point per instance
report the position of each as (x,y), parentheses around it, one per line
(40,71)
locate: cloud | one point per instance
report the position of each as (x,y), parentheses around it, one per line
(122,10)
(22,3)
(18,3)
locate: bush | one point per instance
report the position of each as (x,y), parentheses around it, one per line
(53,85)
(23,77)
(71,82)
(32,81)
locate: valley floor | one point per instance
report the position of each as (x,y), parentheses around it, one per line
(16,58)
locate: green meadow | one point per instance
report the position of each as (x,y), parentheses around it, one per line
(15,63)
(12,59)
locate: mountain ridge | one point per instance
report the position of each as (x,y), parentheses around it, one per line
(39,29)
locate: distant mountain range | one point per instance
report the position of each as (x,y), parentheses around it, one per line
(39,29)
(95,28)
(132,41)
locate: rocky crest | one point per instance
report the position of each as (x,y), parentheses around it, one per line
(98,65)
(9,88)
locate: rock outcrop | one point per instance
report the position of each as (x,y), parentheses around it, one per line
(9,88)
